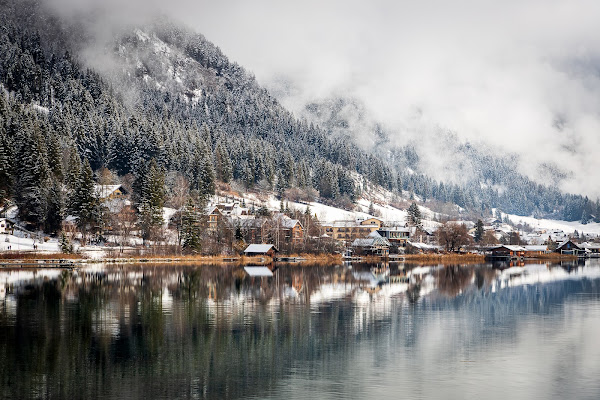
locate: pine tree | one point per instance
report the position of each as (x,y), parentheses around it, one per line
(479,231)
(190,228)
(65,244)
(414,215)
(152,200)
(85,204)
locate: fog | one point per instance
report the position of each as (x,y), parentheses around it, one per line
(517,76)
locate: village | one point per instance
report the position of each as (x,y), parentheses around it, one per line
(232,226)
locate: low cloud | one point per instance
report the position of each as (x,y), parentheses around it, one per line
(517,76)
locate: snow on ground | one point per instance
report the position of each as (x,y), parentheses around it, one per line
(16,243)
(551,224)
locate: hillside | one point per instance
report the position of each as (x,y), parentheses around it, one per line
(160,103)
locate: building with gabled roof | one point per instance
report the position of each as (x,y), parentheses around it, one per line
(110,192)
(261,250)
(373,244)
(570,248)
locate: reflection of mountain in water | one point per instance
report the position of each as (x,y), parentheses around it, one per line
(216,332)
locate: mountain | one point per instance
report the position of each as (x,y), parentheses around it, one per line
(162,97)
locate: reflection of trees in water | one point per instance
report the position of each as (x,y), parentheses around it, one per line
(219,333)
(111,333)
(453,279)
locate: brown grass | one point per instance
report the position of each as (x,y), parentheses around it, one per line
(39,256)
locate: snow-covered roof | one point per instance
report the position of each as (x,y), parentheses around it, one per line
(258,271)
(259,248)
(536,248)
(510,247)
(104,191)
(370,242)
(567,241)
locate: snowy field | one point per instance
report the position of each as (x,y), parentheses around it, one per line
(551,224)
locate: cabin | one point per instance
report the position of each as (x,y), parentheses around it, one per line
(6,226)
(110,192)
(261,250)
(507,251)
(374,245)
(570,248)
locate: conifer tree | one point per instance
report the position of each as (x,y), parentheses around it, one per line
(85,204)
(152,200)
(414,215)
(479,231)
(190,228)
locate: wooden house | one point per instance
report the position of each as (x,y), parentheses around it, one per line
(374,244)
(533,250)
(110,192)
(571,248)
(261,250)
(507,251)
(214,217)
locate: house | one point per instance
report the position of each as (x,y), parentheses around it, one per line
(533,250)
(570,247)
(398,236)
(347,231)
(214,216)
(251,229)
(507,251)
(6,226)
(292,229)
(261,250)
(374,244)
(110,192)
(592,249)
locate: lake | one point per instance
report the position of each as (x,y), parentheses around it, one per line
(339,332)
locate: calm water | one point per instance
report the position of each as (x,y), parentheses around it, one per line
(307,332)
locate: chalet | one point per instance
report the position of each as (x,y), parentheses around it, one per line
(261,250)
(374,244)
(110,192)
(292,229)
(395,235)
(214,217)
(6,226)
(252,229)
(347,231)
(570,247)
(507,251)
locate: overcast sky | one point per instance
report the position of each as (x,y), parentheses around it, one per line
(519,75)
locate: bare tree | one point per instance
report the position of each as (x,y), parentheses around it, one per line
(453,236)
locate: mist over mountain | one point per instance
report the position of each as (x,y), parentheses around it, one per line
(142,94)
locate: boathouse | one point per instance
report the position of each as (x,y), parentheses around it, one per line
(261,250)
(507,251)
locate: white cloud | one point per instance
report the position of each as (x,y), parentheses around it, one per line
(521,76)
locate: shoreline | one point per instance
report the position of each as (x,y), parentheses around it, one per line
(59,260)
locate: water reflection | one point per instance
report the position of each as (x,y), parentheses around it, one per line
(226,332)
